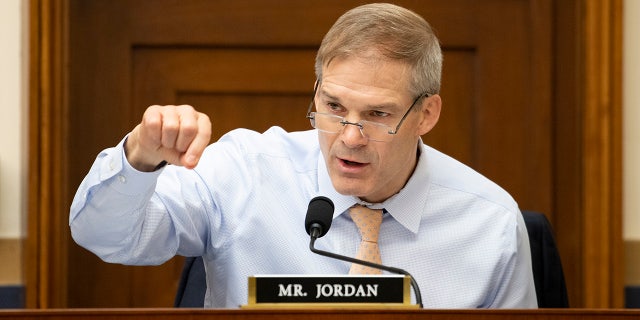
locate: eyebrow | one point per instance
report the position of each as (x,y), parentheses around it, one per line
(384,106)
(328,95)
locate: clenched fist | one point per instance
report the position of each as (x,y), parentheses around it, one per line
(176,134)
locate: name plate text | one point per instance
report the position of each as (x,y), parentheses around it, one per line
(329,289)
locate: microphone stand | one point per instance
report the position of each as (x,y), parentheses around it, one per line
(314,235)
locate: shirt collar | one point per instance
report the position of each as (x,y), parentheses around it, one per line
(406,207)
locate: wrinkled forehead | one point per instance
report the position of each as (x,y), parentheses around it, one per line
(367,75)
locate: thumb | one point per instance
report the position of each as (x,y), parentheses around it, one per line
(189,160)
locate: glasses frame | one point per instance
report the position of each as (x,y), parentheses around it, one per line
(344,122)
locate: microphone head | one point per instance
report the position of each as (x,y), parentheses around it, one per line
(319,215)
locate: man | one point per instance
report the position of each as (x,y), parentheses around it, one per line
(241,202)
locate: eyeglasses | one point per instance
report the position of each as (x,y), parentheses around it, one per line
(374,131)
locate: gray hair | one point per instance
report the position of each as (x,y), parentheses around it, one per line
(396,33)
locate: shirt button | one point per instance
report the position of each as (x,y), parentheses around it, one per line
(122,179)
(111,165)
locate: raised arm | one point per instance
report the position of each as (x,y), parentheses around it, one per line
(117,211)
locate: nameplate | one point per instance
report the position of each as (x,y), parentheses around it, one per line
(330,290)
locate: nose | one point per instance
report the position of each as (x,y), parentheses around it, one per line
(352,135)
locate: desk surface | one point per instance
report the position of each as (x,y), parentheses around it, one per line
(320,314)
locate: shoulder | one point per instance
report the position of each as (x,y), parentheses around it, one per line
(454,176)
(300,146)
(275,140)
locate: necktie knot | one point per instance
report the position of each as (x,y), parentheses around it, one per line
(368,222)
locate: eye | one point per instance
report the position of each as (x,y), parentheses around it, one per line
(334,107)
(379,114)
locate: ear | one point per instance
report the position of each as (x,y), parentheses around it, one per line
(430,113)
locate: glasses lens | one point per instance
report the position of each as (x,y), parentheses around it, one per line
(325,122)
(333,124)
(376,131)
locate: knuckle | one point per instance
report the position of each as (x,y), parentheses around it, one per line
(189,130)
(185,107)
(151,122)
(205,118)
(170,126)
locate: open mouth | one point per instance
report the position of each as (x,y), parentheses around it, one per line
(352,163)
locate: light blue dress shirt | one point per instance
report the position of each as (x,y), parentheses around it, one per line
(243,209)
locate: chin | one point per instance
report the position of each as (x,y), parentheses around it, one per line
(350,188)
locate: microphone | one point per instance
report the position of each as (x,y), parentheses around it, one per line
(319,216)
(318,222)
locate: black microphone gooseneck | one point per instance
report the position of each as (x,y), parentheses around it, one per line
(318,222)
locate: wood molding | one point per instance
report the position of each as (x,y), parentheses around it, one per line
(588,150)
(47,231)
(602,138)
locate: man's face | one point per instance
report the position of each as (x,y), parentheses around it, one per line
(359,88)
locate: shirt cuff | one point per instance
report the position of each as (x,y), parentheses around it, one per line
(124,178)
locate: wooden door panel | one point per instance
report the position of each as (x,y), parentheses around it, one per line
(454,133)
(236,88)
(223,69)
(151,286)
(250,64)
(255,112)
